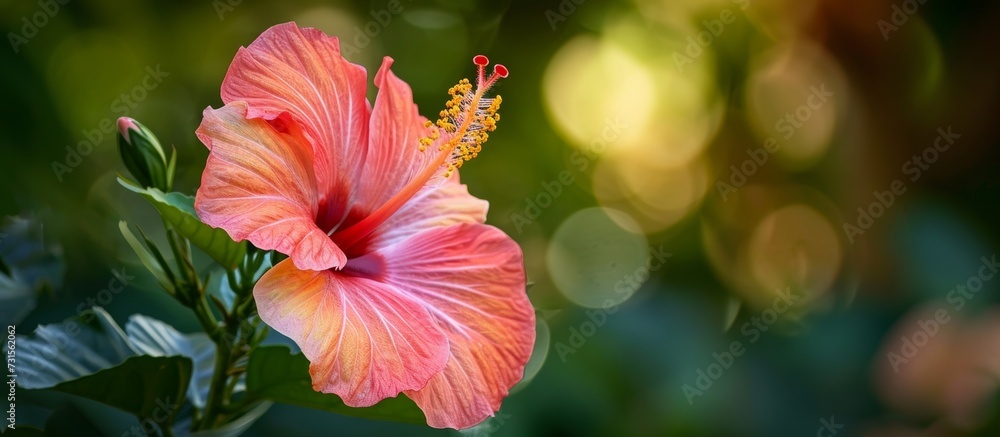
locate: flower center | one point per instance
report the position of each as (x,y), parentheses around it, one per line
(458,136)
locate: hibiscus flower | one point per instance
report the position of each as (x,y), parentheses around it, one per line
(393,284)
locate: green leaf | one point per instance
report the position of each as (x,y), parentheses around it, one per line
(149,387)
(78,347)
(83,346)
(23,431)
(149,336)
(152,263)
(26,256)
(69,420)
(28,266)
(178,210)
(17,299)
(275,374)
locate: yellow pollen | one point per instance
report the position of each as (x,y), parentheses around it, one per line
(464,125)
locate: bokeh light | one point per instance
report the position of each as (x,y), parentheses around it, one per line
(795,247)
(776,239)
(593,255)
(592,86)
(796,92)
(656,195)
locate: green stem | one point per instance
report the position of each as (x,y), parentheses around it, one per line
(217,332)
(218,385)
(234,379)
(230,345)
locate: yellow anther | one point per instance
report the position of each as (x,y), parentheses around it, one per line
(464,125)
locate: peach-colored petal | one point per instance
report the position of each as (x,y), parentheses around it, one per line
(394,157)
(471,279)
(258,185)
(440,203)
(365,341)
(301,71)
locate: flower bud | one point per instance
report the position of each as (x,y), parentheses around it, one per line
(143,156)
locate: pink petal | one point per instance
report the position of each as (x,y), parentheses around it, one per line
(301,71)
(439,203)
(258,185)
(471,279)
(394,157)
(365,340)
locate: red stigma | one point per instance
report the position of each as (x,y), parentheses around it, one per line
(483,82)
(500,70)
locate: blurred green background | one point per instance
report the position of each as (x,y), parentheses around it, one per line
(634,165)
